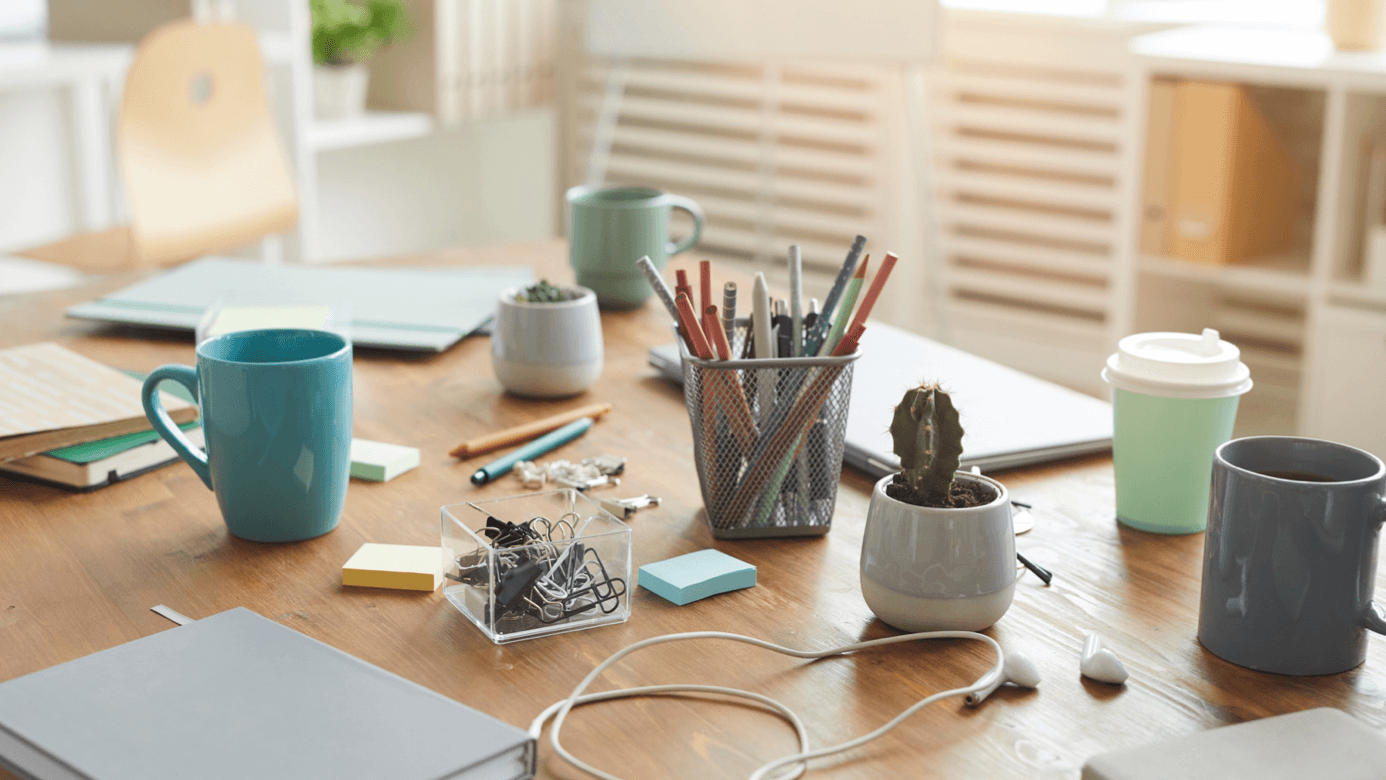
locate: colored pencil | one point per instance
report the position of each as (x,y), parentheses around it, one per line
(844,312)
(689,320)
(509,436)
(877,285)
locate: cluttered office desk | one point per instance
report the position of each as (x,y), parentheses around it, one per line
(80,572)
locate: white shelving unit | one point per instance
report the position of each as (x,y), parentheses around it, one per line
(1315,336)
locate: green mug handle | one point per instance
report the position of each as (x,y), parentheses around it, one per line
(163,424)
(696,212)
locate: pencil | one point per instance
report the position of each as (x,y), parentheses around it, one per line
(844,312)
(877,285)
(660,287)
(689,320)
(505,438)
(716,334)
(705,284)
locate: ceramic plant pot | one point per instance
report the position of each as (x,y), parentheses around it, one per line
(339,91)
(928,569)
(547,350)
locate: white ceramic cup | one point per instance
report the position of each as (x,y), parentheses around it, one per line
(547,350)
(929,569)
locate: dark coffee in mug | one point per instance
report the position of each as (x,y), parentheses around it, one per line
(1297,476)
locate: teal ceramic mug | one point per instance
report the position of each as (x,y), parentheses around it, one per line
(276,419)
(609,229)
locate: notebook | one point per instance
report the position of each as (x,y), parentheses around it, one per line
(237,696)
(396,308)
(1323,743)
(1010,418)
(98,464)
(55,398)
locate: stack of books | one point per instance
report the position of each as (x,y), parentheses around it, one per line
(68,420)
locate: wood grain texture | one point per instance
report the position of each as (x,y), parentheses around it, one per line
(78,574)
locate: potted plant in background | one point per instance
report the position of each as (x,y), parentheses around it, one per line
(938,552)
(345,34)
(547,340)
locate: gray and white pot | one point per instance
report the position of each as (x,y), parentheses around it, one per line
(931,569)
(547,350)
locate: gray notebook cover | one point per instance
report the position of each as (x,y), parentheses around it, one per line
(1323,743)
(399,308)
(237,696)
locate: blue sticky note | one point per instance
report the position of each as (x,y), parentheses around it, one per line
(697,575)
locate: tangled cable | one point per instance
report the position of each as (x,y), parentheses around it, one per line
(1015,668)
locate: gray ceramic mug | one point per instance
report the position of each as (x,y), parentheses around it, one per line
(1289,560)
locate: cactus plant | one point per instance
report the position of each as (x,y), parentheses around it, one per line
(928,441)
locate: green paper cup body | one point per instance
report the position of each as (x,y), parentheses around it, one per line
(1174,401)
(1163,449)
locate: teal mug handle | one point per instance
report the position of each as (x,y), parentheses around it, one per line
(163,424)
(696,212)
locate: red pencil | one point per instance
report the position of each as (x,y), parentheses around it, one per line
(689,319)
(716,335)
(872,294)
(705,283)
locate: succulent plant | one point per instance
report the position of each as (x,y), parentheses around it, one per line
(928,440)
(543,292)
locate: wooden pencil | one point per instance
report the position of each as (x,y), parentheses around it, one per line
(510,436)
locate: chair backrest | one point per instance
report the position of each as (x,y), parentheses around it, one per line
(896,31)
(204,168)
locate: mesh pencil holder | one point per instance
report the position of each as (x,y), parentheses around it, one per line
(767,440)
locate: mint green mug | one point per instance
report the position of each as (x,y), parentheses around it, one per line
(609,229)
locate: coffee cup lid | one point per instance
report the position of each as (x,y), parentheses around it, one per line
(1178,365)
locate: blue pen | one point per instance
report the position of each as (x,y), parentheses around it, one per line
(549,441)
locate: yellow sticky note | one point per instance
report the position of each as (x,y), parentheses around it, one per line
(232,319)
(397,566)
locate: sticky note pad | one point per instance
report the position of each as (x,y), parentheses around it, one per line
(697,575)
(381,462)
(398,566)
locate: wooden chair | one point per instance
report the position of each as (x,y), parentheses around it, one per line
(203,167)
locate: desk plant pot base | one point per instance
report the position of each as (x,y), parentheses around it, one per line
(938,569)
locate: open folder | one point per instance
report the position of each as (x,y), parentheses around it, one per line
(395,308)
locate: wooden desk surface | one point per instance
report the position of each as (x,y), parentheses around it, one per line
(78,574)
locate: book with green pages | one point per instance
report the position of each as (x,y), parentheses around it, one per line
(96,464)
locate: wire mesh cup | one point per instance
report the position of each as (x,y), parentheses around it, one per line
(767,440)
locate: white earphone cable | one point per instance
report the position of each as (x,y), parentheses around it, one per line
(559,710)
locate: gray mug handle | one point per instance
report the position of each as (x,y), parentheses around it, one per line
(1374,619)
(695,211)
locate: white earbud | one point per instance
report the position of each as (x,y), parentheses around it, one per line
(1101,664)
(1018,670)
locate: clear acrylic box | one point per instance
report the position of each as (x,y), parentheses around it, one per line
(537,564)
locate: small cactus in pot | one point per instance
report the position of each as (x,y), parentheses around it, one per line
(928,440)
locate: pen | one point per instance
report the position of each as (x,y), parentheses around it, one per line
(505,438)
(784,332)
(765,344)
(729,311)
(796,302)
(811,317)
(549,441)
(820,329)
